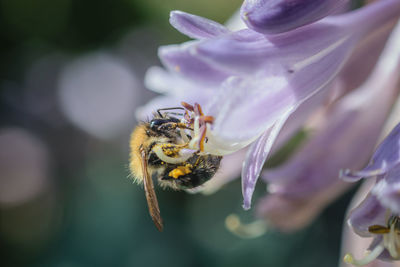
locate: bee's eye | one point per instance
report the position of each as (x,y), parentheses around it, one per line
(158,122)
(155,123)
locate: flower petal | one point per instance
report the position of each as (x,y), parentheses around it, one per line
(146,112)
(342,145)
(386,156)
(387,190)
(178,59)
(162,81)
(196,27)
(313,170)
(362,61)
(268,16)
(260,102)
(247,107)
(369,212)
(256,157)
(246,51)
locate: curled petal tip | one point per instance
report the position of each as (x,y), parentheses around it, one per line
(246,205)
(195,26)
(354,176)
(174,13)
(348,176)
(270,17)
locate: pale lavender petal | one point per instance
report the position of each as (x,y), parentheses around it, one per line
(246,51)
(388,153)
(317,164)
(387,190)
(369,212)
(261,101)
(247,107)
(161,81)
(270,99)
(375,209)
(303,78)
(178,59)
(308,109)
(196,27)
(364,58)
(386,156)
(256,157)
(260,149)
(351,242)
(276,16)
(346,137)
(146,112)
(342,145)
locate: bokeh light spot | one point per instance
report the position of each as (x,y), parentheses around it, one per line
(99,93)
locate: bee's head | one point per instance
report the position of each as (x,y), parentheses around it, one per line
(156,123)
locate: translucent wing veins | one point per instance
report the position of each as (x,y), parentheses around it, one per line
(151,197)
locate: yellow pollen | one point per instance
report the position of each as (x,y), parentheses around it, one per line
(348,258)
(170,150)
(180,171)
(177,68)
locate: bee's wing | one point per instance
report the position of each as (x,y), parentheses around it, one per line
(151,197)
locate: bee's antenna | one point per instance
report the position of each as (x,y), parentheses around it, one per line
(161,109)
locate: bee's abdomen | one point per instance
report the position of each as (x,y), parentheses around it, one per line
(205,169)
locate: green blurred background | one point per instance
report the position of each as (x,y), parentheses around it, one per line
(71,76)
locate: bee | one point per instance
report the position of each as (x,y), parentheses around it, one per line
(162,149)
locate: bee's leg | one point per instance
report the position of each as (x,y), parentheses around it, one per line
(172,153)
(173,125)
(180,171)
(167,127)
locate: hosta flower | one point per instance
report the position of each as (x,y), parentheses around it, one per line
(276,16)
(378,214)
(344,137)
(386,157)
(357,245)
(251,83)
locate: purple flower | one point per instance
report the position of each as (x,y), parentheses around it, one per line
(386,157)
(381,208)
(252,83)
(345,136)
(377,215)
(277,16)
